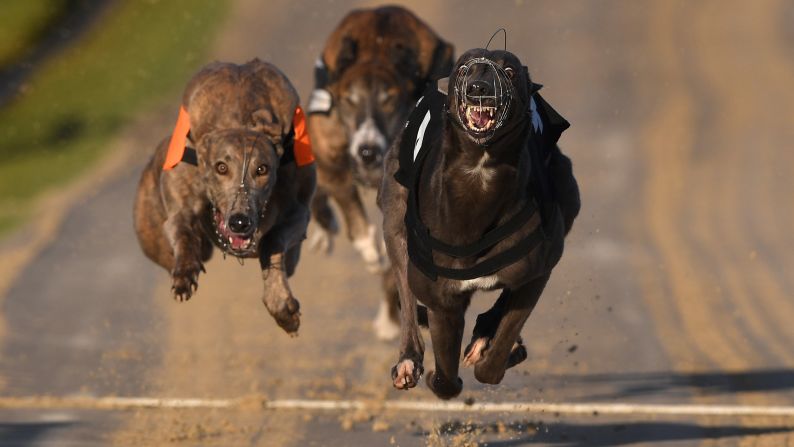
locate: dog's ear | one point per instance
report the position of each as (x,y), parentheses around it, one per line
(442,62)
(532,88)
(348,51)
(204,147)
(265,121)
(406,61)
(278,144)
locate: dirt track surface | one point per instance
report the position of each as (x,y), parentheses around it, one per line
(675,287)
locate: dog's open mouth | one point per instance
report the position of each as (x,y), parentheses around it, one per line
(479,118)
(236,242)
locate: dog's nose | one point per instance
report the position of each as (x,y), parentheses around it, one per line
(369,153)
(478,88)
(239,223)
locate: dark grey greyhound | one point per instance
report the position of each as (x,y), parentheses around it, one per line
(476,196)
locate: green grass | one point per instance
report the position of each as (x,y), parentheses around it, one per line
(22,22)
(77,101)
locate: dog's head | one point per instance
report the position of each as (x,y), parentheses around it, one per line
(238,167)
(489,89)
(373,97)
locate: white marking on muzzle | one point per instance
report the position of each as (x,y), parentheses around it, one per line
(367,134)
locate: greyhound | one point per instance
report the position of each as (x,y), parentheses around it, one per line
(476,196)
(237,174)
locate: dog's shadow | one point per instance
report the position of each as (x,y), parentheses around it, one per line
(28,433)
(614,434)
(629,385)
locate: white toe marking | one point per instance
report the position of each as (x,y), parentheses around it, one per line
(321,241)
(369,249)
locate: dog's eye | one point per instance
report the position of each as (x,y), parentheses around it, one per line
(351,100)
(386,97)
(510,72)
(221,168)
(262,170)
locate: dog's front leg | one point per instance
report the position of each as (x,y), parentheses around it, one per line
(408,370)
(289,232)
(446,331)
(516,308)
(278,298)
(360,230)
(184,235)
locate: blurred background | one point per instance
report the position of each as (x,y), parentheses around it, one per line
(677,284)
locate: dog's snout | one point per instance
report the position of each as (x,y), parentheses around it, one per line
(478,88)
(370,154)
(239,223)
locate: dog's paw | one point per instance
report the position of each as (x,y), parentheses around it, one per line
(488,374)
(370,250)
(321,241)
(492,371)
(288,316)
(443,389)
(385,328)
(185,278)
(322,238)
(475,351)
(406,374)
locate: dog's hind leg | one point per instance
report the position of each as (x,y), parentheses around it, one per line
(505,348)
(446,331)
(484,330)
(278,298)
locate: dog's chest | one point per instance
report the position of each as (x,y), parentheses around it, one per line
(489,282)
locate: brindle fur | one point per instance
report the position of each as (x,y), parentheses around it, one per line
(381,58)
(459,204)
(234,110)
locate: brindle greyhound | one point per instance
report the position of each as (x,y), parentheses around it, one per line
(476,196)
(375,65)
(242,184)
